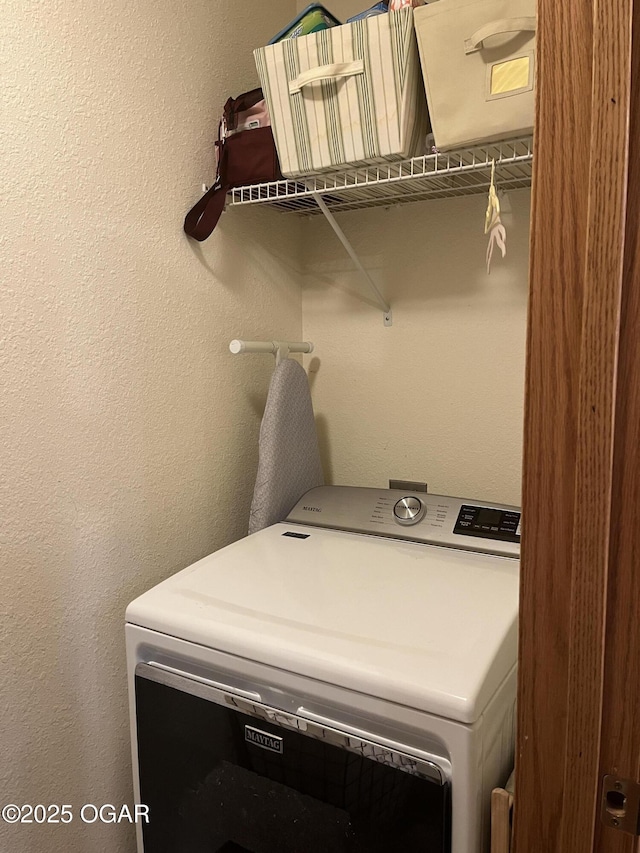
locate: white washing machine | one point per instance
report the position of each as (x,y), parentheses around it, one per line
(341,682)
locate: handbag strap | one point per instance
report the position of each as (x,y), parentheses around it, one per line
(204,215)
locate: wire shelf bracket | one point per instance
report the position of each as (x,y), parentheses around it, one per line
(386,308)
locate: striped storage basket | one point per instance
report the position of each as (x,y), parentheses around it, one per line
(349,95)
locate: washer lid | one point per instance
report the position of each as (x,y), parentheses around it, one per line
(427,627)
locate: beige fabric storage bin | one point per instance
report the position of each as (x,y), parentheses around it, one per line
(349,95)
(478,61)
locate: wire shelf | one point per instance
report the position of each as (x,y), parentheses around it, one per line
(443,175)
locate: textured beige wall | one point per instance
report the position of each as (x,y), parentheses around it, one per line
(128,432)
(438,396)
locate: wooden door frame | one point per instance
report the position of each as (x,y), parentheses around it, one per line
(581,498)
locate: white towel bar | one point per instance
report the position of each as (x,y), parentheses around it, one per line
(280,349)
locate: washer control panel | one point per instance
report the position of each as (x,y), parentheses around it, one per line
(418,517)
(409,510)
(488,523)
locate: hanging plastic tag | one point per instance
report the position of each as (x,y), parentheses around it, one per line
(492,223)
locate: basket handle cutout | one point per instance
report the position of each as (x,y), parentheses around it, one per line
(498,28)
(337,71)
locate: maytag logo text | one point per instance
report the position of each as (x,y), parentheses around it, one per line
(263,739)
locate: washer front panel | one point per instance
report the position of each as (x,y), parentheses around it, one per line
(463,748)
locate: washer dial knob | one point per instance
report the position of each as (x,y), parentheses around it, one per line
(409,510)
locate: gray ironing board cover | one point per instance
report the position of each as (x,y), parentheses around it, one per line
(289,458)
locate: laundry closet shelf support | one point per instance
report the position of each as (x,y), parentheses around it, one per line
(386,308)
(448,174)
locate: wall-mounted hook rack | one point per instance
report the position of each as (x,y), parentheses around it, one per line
(281,349)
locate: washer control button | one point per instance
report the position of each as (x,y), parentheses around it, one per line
(409,510)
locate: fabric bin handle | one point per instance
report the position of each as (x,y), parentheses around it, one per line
(326,72)
(497,28)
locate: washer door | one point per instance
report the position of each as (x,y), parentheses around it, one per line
(222,772)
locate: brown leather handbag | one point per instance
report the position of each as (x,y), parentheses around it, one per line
(246,155)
